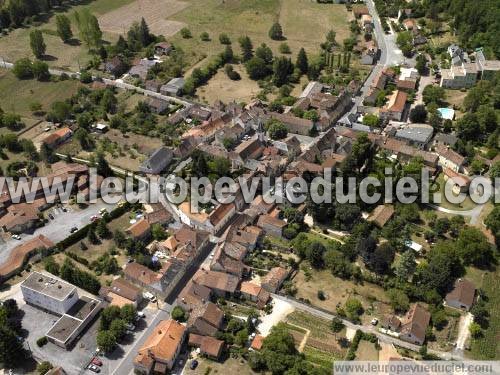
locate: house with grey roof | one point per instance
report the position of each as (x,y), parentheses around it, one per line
(417,135)
(173,87)
(158,161)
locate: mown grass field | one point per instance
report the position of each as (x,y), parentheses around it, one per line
(17,95)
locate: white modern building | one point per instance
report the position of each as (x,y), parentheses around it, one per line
(48,293)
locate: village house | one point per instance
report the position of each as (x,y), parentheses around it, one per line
(156,105)
(115,66)
(208,346)
(414,325)
(271,225)
(152,85)
(449,158)
(163,48)
(396,106)
(273,280)
(416,135)
(141,68)
(159,352)
(221,284)
(58,137)
(173,87)
(140,230)
(192,295)
(254,293)
(121,293)
(462,295)
(158,161)
(461,183)
(360,10)
(381,214)
(205,319)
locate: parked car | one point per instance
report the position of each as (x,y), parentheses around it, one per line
(94,368)
(374,321)
(193,364)
(130,326)
(16,237)
(96,361)
(140,314)
(73,229)
(51,217)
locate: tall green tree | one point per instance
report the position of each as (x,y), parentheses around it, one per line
(63,25)
(246,48)
(37,43)
(282,69)
(276,32)
(302,62)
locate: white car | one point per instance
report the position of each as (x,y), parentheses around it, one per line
(16,237)
(374,321)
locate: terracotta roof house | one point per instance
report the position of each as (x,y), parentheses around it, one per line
(221,216)
(415,324)
(274,279)
(271,225)
(209,346)
(161,348)
(461,182)
(410,24)
(205,319)
(406,84)
(163,48)
(395,107)
(462,295)
(228,258)
(257,342)
(449,158)
(140,230)
(193,295)
(142,275)
(21,254)
(381,214)
(221,284)
(121,292)
(255,293)
(58,137)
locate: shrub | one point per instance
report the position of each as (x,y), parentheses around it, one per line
(42,341)
(43,367)
(186,33)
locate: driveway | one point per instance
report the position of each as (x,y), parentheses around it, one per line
(463,330)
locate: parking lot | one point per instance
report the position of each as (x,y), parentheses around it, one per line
(36,323)
(58,228)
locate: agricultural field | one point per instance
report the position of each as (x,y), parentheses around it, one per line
(230,366)
(366,351)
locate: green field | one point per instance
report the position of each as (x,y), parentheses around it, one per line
(16,95)
(16,44)
(486,347)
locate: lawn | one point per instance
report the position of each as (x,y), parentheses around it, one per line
(220,87)
(66,56)
(467,204)
(17,95)
(254,18)
(486,347)
(230,366)
(337,291)
(366,351)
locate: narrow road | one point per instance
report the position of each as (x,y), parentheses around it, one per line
(473,213)
(367,329)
